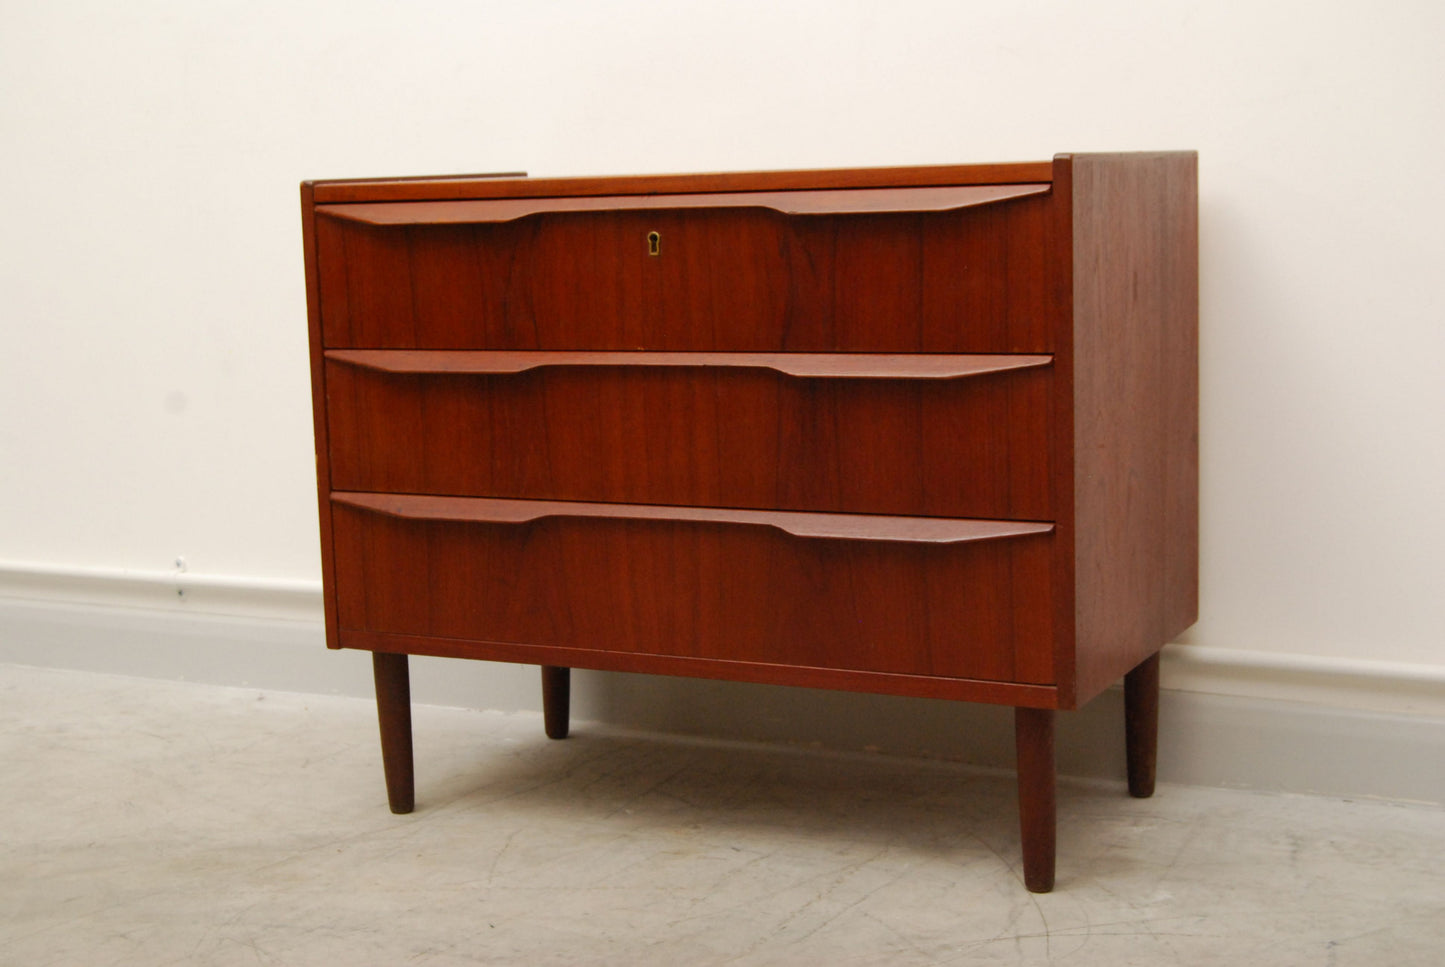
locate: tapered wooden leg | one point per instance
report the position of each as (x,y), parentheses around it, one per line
(1034,741)
(1141,725)
(393,710)
(556,697)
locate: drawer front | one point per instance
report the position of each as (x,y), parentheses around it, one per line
(723,279)
(976,610)
(707,435)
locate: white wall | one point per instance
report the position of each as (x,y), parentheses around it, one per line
(153,378)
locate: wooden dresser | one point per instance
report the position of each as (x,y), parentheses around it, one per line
(921,431)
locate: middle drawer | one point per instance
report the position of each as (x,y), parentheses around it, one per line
(950,436)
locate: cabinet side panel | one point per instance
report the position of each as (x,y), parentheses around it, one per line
(1061,440)
(1135,358)
(318,410)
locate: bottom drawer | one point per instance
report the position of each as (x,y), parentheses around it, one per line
(921,596)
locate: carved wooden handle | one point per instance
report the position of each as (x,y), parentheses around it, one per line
(850,527)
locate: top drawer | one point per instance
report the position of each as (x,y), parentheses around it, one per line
(935,270)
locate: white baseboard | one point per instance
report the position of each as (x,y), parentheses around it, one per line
(1394,688)
(176,591)
(1228,718)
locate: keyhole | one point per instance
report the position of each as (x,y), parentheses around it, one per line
(654,243)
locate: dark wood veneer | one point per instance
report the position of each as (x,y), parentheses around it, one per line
(743,280)
(719,436)
(918,431)
(764,673)
(709,588)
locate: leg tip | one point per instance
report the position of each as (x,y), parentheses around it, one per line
(1141,790)
(1042,883)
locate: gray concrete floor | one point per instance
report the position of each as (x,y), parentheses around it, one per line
(158,823)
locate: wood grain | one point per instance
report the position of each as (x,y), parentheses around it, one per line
(322,443)
(721,436)
(728,280)
(1135,409)
(802,676)
(1061,422)
(976,610)
(917,431)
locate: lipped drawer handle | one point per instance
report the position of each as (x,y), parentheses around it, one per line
(838,201)
(803,365)
(851,527)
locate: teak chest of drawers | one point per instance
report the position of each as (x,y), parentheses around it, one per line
(921,431)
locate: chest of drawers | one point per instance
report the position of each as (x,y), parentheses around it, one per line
(919,431)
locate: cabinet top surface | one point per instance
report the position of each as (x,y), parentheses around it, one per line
(514,185)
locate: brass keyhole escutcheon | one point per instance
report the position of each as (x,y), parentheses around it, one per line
(654,243)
